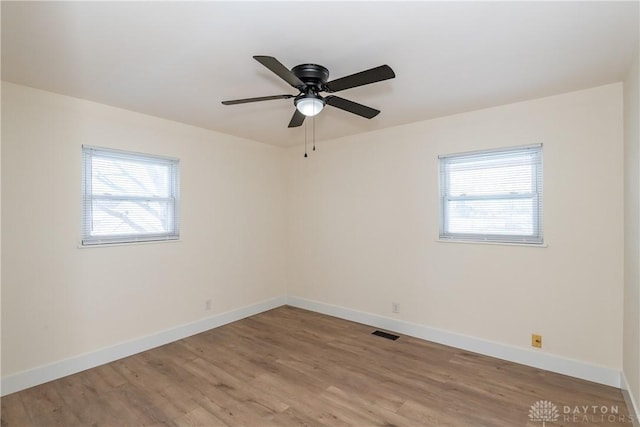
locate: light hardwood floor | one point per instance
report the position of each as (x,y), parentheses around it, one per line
(291,367)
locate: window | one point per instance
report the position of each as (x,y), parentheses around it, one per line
(128,197)
(492,196)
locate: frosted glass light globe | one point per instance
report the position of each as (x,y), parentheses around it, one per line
(309,106)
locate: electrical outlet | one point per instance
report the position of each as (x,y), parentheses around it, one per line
(395,307)
(207,305)
(536,340)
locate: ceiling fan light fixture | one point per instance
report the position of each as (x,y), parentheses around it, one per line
(310,105)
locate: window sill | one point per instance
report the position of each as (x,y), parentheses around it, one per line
(108,245)
(478,242)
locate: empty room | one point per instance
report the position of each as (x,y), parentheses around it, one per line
(320,213)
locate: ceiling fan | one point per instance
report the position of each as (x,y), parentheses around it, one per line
(310,80)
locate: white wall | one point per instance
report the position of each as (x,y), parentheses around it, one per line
(60,301)
(0,234)
(631,350)
(365,223)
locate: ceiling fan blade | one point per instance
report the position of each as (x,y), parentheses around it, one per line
(377,74)
(297,119)
(261,98)
(352,107)
(280,70)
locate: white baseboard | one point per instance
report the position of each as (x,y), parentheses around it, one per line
(575,368)
(630,400)
(49,372)
(548,362)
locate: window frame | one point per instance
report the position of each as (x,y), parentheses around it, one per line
(173,200)
(536,195)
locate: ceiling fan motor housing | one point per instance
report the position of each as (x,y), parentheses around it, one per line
(313,75)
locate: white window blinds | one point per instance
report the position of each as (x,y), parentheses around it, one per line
(128,197)
(492,195)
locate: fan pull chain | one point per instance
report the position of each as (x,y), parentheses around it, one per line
(305,140)
(314,133)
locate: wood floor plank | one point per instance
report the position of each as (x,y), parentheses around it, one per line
(291,367)
(83,399)
(199,417)
(137,406)
(13,411)
(46,408)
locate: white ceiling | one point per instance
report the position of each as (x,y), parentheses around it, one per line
(179,60)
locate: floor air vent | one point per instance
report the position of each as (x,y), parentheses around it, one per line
(386,335)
